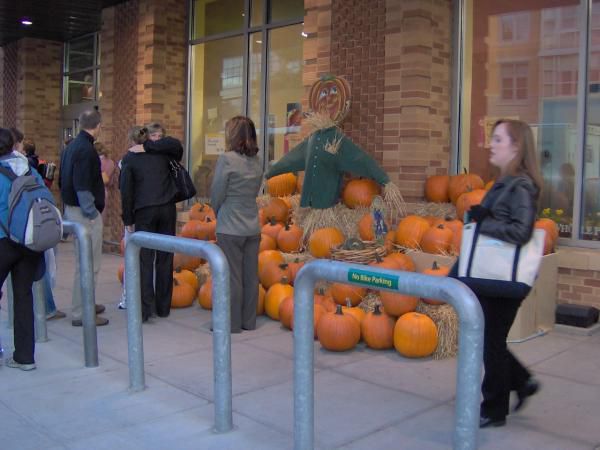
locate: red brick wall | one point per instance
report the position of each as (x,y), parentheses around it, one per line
(9,86)
(580,287)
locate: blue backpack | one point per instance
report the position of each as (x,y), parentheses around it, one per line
(33,218)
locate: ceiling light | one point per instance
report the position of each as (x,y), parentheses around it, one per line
(26,22)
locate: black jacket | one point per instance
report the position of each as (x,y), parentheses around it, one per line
(511,213)
(80,171)
(145,178)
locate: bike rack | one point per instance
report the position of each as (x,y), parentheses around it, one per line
(221,314)
(470,348)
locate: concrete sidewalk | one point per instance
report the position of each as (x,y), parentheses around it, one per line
(364,399)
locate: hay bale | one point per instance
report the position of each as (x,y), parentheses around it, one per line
(446,320)
(441,210)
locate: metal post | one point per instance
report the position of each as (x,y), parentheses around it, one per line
(39,312)
(221,314)
(88,294)
(470,347)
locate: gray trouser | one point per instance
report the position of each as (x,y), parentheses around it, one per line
(94,227)
(242,256)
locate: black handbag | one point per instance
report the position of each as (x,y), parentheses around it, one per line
(183,182)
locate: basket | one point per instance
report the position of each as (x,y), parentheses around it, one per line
(369,254)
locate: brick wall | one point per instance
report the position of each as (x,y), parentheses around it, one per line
(9,85)
(578,286)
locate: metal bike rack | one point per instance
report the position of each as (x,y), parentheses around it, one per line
(470,347)
(88,300)
(221,313)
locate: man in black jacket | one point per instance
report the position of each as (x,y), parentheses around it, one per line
(147,199)
(82,192)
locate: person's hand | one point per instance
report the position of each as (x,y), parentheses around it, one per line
(139,148)
(477,213)
(130,228)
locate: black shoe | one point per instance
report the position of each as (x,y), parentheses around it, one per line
(100,309)
(100,322)
(488,422)
(530,387)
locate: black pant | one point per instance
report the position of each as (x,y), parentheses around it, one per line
(156,296)
(242,256)
(503,372)
(21,263)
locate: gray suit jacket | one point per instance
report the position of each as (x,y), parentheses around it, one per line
(233,192)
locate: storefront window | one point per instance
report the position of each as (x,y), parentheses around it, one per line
(524,64)
(81,70)
(254,69)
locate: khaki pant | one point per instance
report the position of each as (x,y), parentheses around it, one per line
(94,227)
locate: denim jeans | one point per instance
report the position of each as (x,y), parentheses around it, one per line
(50,305)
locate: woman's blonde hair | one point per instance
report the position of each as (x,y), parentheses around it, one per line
(240,136)
(526,161)
(138,135)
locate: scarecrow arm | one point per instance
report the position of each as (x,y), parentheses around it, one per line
(355,160)
(291,162)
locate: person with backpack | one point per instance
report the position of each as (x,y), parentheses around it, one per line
(24,264)
(82,192)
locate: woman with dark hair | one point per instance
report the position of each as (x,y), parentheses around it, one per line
(237,180)
(507,213)
(24,265)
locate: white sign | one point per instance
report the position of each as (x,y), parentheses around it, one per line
(214,143)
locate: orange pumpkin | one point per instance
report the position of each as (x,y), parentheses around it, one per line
(121,272)
(437,239)
(188,262)
(489,185)
(377,330)
(468,199)
(410,231)
(551,229)
(325,300)
(289,238)
(190,229)
(286,312)
(275,295)
(365,227)
(200,211)
(276,209)
(436,188)
(262,219)
(183,294)
(266,243)
(355,311)
(415,335)
(437,271)
(281,185)
(269,255)
(342,293)
(323,240)
(186,276)
(396,304)
(294,267)
(272,228)
(260,305)
(318,312)
(385,263)
(205,294)
(359,193)
(206,230)
(461,183)
(272,272)
(337,331)
(402,261)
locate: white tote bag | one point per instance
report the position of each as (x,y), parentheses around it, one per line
(488,258)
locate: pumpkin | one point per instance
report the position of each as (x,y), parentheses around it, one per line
(325,300)
(468,199)
(396,304)
(359,193)
(365,227)
(402,261)
(277,210)
(436,188)
(329,95)
(551,229)
(188,262)
(200,211)
(186,276)
(437,239)
(377,330)
(207,230)
(269,255)
(355,311)
(388,241)
(275,295)
(437,271)
(461,183)
(410,230)
(262,219)
(272,229)
(323,240)
(286,312)
(385,263)
(272,272)
(281,185)
(337,331)
(318,312)
(121,272)
(489,185)
(342,292)
(266,243)
(190,229)
(289,239)
(260,305)
(205,294)
(294,266)
(415,335)
(183,294)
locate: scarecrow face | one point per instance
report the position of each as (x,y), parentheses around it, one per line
(330,97)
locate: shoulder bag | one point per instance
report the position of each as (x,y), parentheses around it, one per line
(183,182)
